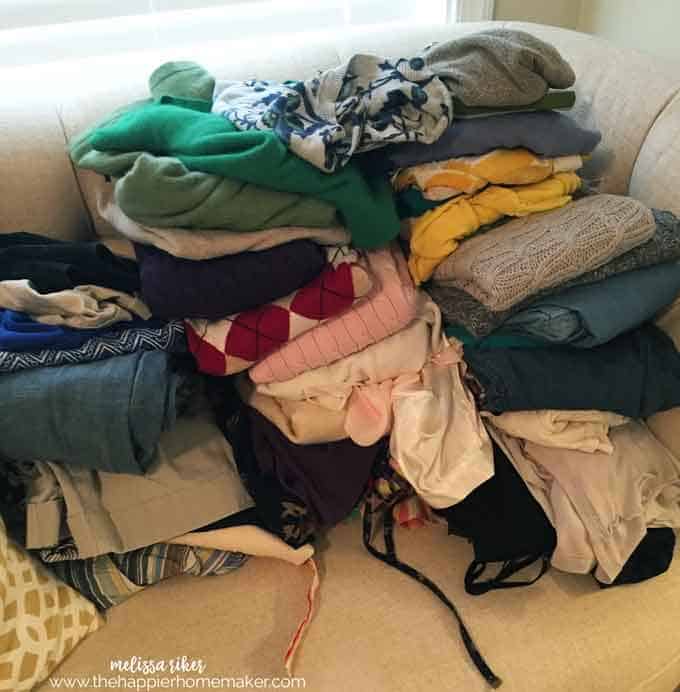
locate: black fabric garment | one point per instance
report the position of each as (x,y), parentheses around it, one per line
(505,524)
(246,517)
(277,510)
(56,265)
(296,488)
(636,374)
(387,489)
(329,478)
(652,557)
(14,477)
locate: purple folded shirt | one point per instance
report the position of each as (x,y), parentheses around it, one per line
(176,288)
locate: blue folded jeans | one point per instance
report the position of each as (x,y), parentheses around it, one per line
(590,315)
(107,415)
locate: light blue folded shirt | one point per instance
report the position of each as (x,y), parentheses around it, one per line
(107,415)
(593,314)
(546,133)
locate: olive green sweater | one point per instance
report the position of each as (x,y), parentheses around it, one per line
(206,142)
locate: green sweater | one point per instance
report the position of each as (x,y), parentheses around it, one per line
(494,340)
(159,191)
(206,142)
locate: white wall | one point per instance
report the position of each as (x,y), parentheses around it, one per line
(652,26)
(564,13)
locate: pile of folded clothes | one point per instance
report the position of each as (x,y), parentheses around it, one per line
(98,405)
(495,374)
(490,166)
(552,300)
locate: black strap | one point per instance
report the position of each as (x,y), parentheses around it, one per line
(510,567)
(390,558)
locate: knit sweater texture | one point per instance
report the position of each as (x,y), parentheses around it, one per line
(206,142)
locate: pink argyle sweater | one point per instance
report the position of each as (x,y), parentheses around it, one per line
(389,307)
(226,346)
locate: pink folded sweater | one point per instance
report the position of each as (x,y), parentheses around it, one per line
(389,307)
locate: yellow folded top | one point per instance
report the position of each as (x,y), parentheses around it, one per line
(469,174)
(436,234)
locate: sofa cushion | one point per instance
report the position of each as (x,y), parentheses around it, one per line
(375,629)
(656,176)
(38,191)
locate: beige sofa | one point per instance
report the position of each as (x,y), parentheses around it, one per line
(374,629)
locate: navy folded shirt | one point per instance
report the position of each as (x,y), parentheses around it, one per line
(56,265)
(636,374)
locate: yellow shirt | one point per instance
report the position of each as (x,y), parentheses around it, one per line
(436,234)
(469,174)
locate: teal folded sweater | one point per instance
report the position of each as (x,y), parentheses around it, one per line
(206,142)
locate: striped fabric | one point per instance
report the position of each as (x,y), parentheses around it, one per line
(108,580)
(169,337)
